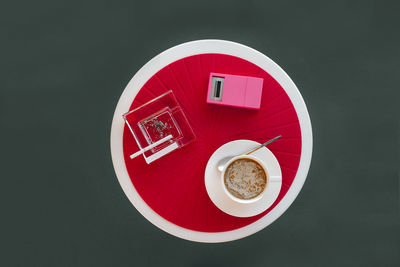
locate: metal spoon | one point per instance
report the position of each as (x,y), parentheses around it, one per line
(223,161)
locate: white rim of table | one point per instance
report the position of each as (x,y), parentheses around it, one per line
(204,47)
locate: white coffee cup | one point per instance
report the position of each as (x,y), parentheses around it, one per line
(259,196)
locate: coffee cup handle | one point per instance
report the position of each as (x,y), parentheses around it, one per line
(275,178)
(221,168)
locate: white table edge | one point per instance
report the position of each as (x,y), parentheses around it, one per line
(203,47)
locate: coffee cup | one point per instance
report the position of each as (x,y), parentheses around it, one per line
(244,179)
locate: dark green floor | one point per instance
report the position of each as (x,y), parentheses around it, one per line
(64,65)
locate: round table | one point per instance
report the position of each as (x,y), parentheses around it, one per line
(198,48)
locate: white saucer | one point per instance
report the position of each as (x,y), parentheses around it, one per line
(213,178)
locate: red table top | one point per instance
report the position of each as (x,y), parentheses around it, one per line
(173,186)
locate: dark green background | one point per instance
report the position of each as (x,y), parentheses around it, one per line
(64,65)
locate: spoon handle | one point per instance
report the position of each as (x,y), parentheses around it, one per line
(265,144)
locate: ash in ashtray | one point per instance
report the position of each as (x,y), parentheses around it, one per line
(159,126)
(156,127)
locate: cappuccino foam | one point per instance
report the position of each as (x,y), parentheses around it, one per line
(245,178)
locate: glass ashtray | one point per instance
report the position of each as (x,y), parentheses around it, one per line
(159,127)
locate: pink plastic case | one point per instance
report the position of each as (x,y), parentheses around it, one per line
(234,90)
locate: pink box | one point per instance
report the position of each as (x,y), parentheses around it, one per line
(234,90)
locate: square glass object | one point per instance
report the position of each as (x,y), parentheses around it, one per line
(157,119)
